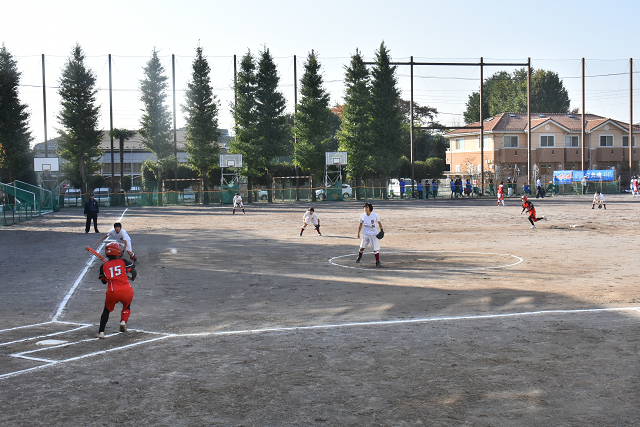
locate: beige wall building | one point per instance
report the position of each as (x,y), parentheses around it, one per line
(555,145)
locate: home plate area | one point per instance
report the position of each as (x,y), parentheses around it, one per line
(430,261)
(34,346)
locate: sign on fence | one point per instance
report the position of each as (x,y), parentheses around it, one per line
(568,177)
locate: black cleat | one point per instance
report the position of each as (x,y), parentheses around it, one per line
(358,260)
(378,264)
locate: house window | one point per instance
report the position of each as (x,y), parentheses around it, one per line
(547,141)
(625,141)
(459,143)
(571,141)
(485,142)
(457,168)
(606,140)
(510,141)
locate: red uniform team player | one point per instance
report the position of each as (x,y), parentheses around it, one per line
(501,193)
(528,206)
(114,273)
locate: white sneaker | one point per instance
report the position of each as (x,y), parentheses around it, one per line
(100,335)
(533,226)
(123,326)
(545,218)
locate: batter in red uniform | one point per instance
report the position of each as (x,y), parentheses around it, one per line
(114,273)
(528,206)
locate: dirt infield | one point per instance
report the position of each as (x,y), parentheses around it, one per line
(474,318)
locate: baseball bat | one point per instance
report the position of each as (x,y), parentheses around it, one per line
(90,249)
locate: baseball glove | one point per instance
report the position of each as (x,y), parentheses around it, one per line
(317,226)
(380,235)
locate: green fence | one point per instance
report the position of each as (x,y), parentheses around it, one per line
(24,201)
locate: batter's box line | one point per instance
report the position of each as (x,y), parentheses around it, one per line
(53,334)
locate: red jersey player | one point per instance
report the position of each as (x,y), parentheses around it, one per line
(501,193)
(528,206)
(114,273)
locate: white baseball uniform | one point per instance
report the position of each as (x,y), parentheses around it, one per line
(310,218)
(122,238)
(237,201)
(598,198)
(369,231)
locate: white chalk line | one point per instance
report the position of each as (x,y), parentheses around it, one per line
(46,335)
(49,362)
(431,269)
(88,265)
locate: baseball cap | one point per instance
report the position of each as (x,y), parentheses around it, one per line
(91,194)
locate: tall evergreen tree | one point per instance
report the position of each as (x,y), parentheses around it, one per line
(272,131)
(354,135)
(386,114)
(313,119)
(201,111)
(15,154)
(245,116)
(155,124)
(79,140)
(507,93)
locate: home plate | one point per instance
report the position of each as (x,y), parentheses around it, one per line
(51,342)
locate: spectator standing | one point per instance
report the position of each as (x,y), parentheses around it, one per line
(402,184)
(91,211)
(420,190)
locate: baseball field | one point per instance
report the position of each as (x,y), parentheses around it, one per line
(474,318)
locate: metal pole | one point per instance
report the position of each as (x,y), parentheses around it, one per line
(295,111)
(113,183)
(481,128)
(413,178)
(630,116)
(481,123)
(529,122)
(175,137)
(44,104)
(582,132)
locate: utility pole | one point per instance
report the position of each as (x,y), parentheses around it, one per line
(529,121)
(413,178)
(481,126)
(175,137)
(44,104)
(295,110)
(582,132)
(630,116)
(113,183)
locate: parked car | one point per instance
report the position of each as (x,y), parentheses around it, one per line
(133,196)
(263,194)
(101,195)
(188,196)
(347,192)
(73,197)
(394,187)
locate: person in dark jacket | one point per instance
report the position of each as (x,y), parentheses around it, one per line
(91,211)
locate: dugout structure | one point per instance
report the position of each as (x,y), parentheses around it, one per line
(334,160)
(230,165)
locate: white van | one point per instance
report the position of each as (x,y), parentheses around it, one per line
(394,187)
(101,195)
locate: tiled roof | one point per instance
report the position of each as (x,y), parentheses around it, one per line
(517,122)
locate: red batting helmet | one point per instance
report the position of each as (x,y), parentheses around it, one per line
(523,198)
(113,249)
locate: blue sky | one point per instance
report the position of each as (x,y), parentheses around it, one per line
(554,35)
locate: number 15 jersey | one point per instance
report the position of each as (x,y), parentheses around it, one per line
(114,272)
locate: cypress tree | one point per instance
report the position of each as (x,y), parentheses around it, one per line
(15,154)
(313,125)
(244,113)
(201,111)
(386,115)
(354,135)
(79,140)
(155,124)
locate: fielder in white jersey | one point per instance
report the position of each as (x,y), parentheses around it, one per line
(237,201)
(369,224)
(310,217)
(599,199)
(121,237)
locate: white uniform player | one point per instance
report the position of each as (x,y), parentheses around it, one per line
(310,217)
(121,237)
(369,224)
(599,199)
(237,202)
